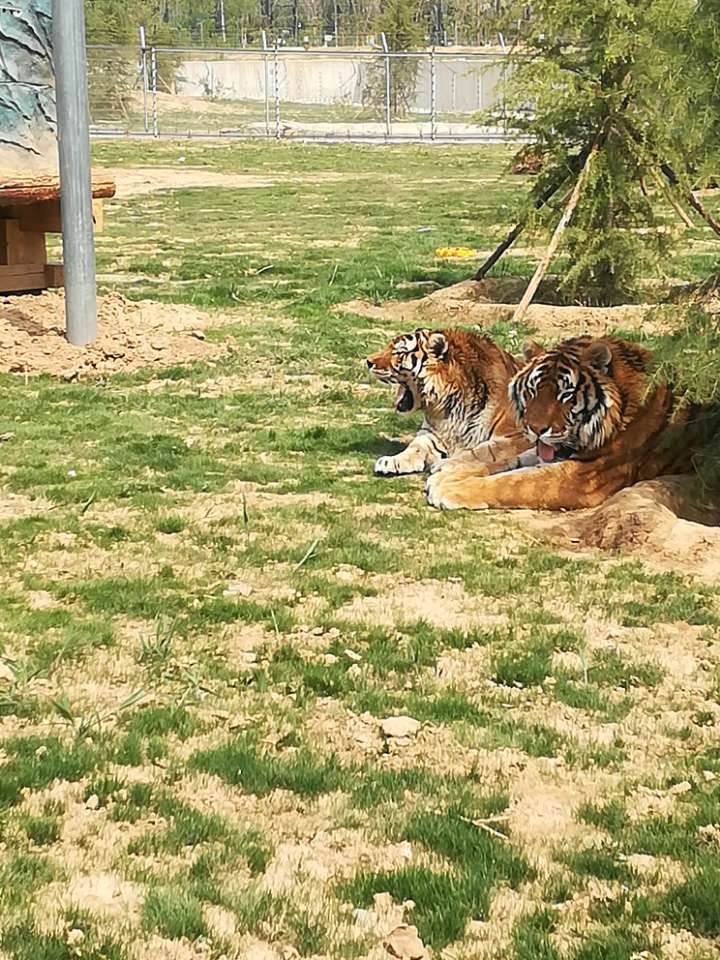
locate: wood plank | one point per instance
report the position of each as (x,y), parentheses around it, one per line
(38,189)
(18,246)
(14,279)
(39,217)
(54,275)
(44,217)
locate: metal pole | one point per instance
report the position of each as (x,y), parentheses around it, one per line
(75,180)
(143,52)
(433,94)
(267,84)
(154,85)
(277,91)
(388,115)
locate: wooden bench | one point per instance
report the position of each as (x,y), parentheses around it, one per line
(30,208)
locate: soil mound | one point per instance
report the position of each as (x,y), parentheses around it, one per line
(493,300)
(130,335)
(667,521)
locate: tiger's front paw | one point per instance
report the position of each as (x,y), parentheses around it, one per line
(436,492)
(446,490)
(386,467)
(394,466)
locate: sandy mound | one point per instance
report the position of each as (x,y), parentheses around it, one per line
(489,301)
(664,521)
(131,335)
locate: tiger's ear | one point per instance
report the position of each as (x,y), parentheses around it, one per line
(599,356)
(531,349)
(438,345)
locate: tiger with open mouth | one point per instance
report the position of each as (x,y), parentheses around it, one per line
(459,380)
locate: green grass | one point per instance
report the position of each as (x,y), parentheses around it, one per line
(173,913)
(445,899)
(215,736)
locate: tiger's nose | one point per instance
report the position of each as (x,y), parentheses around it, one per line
(370,364)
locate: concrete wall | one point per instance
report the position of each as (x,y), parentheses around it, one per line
(464,84)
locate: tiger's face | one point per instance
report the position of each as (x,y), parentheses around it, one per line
(404,361)
(566,399)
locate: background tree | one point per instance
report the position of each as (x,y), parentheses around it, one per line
(402,30)
(610,74)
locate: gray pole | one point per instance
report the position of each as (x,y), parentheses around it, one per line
(143,53)
(276,73)
(75,182)
(388,114)
(433,93)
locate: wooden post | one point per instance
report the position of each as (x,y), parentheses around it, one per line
(567,213)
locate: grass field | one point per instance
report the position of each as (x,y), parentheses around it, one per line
(210,605)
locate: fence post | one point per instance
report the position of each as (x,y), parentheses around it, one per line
(143,56)
(266,67)
(154,90)
(388,113)
(433,94)
(277,92)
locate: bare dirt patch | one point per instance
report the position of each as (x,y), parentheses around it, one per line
(131,335)
(491,301)
(139,181)
(439,603)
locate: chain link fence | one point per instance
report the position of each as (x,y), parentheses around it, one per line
(314,94)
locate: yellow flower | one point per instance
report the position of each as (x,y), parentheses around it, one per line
(458,252)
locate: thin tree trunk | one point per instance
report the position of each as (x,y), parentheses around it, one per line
(567,213)
(575,164)
(690,198)
(670,198)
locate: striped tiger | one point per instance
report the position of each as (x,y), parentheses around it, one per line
(593,424)
(459,380)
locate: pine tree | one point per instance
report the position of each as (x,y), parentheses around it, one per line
(606,77)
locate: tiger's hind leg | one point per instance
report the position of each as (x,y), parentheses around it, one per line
(422,452)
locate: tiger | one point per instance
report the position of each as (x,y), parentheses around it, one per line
(459,380)
(594,423)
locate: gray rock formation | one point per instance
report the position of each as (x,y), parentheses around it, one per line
(27,92)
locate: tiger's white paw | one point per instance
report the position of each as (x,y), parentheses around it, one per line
(394,466)
(386,467)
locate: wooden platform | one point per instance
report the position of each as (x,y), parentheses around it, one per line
(29,209)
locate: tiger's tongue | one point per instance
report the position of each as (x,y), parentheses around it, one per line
(545,452)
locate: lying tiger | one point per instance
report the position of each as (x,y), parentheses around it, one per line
(594,428)
(460,382)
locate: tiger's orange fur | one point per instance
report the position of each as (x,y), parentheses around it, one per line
(594,428)
(459,380)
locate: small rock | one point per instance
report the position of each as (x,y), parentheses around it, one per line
(156,345)
(709,776)
(399,727)
(366,920)
(92,802)
(237,588)
(679,788)
(6,671)
(41,751)
(198,334)
(405,943)
(75,937)
(352,655)
(330,659)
